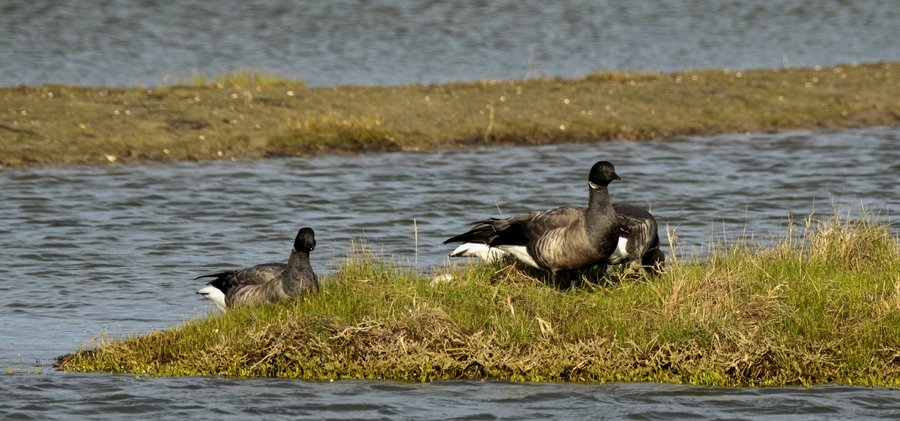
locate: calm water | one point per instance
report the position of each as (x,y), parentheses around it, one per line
(326,43)
(85,249)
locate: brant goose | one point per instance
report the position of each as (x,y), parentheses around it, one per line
(268,282)
(557,240)
(638,239)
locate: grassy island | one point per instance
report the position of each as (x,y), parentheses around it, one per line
(820,305)
(245,114)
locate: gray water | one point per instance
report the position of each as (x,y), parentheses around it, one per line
(115,248)
(327,43)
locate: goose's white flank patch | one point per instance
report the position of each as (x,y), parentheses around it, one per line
(521,253)
(620,255)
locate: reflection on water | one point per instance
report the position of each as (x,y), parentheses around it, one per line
(116,247)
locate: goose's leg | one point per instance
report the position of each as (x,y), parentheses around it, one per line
(553,278)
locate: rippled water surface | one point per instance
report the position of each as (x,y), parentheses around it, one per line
(85,249)
(99,397)
(327,43)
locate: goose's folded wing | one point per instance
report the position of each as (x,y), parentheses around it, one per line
(259,274)
(536,224)
(518,230)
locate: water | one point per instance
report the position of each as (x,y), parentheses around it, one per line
(79,396)
(85,249)
(328,43)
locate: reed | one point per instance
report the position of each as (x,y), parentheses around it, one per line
(819,305)
(25,368)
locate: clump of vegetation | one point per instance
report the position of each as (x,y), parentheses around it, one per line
(819,306)
(253,114)
(241,78)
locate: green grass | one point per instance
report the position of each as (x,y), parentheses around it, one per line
(247,113)
(821,305)
(240,78)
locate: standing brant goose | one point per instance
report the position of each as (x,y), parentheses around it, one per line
(638,239)
(268,282)
(561,239)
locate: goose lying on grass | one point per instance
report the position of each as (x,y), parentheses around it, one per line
(557,240)
(638,239)
(268,282)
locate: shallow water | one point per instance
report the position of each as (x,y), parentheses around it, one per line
(98,42)
(116,247)
(96,397)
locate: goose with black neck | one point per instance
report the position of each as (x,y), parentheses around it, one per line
(557,240)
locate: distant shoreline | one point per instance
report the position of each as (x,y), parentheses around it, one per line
(56,125)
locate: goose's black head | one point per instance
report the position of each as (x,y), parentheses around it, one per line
(602,173)
(306,240)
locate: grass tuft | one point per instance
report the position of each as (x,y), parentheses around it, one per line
(851,243)
(240,78)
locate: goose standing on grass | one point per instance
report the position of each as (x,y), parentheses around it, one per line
(638,238)
(561,239)
(268,282)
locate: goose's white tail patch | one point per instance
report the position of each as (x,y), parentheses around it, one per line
(215,295)
(521,253)
(482,251)
(620,255)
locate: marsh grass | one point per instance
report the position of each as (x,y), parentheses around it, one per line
(247,113)
(243,77)
(820,306)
